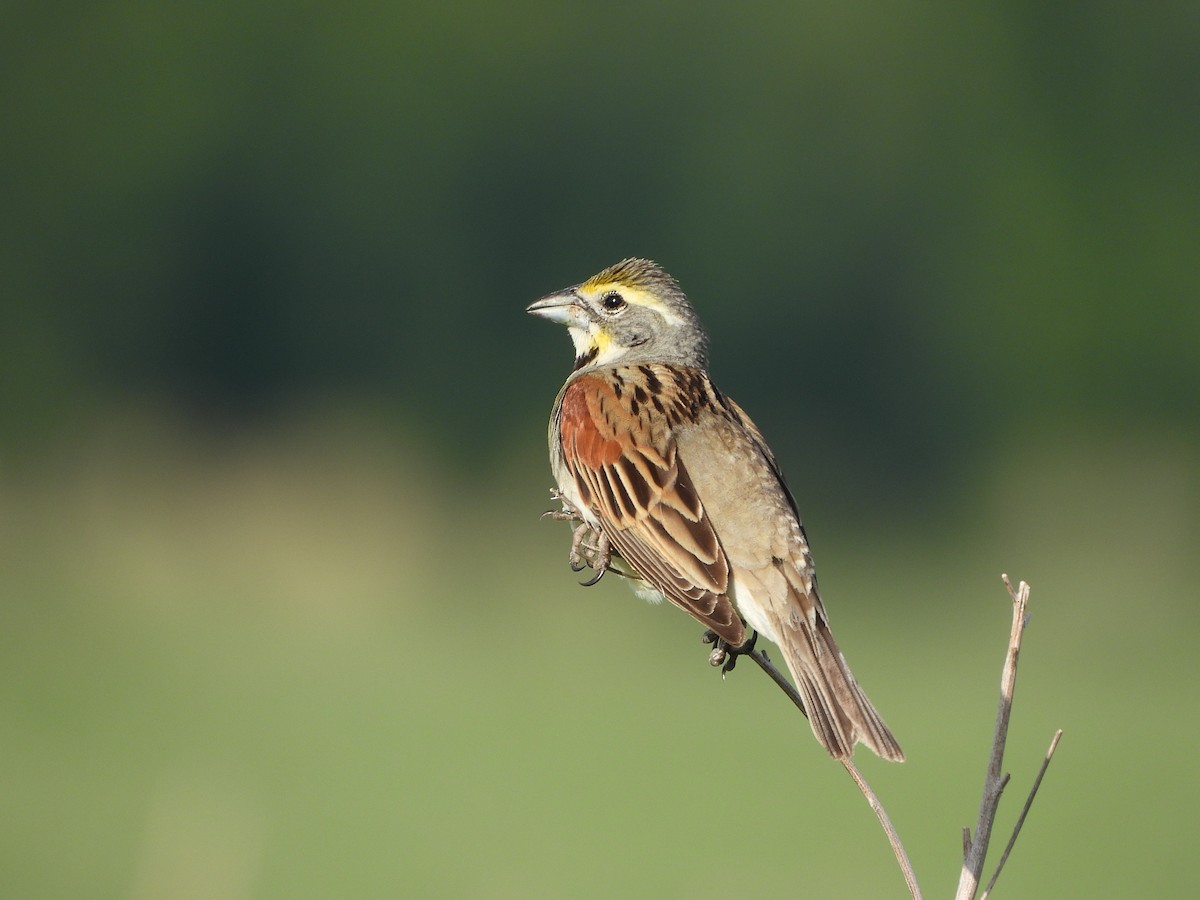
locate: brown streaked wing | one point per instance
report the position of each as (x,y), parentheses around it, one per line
(645,502)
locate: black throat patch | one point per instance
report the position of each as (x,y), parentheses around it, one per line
(584,358)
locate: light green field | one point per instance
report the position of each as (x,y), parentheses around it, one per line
(311,664)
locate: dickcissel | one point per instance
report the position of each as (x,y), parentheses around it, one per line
(676,488)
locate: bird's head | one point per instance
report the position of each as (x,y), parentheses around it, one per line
(632,312)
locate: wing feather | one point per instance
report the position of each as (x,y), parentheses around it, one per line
(636,485)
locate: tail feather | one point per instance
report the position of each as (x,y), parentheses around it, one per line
(838,710)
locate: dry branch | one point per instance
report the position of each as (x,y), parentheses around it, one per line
(974,848)
(1037,782)
(995,780)
(902,860)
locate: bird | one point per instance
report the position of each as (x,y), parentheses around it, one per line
(674,486)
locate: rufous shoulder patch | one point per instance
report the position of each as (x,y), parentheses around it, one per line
(585,436)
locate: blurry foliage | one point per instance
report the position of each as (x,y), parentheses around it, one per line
(909,228)
(277,615)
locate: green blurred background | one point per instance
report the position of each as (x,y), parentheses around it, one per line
(278,615)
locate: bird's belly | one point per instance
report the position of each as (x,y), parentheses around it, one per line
(751,609)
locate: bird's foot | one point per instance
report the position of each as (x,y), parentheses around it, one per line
(568,513)
(598,555)
(590,547)
(723,653)
(579,546)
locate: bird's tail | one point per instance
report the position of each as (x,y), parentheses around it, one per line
(838,710)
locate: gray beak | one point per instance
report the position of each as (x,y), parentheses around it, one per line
(562,307)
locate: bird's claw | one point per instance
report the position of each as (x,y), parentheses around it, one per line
(568,513)
(600,559)
(586,552)
(723,653)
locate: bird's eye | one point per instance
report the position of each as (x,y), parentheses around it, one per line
(612,301)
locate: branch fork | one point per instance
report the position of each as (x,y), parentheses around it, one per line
(596,554)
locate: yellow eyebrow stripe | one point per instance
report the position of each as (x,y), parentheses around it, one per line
(635,295)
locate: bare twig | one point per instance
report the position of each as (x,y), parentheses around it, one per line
(906,869)
(994,781)
(1037,782)
(760,657)
(974,848)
